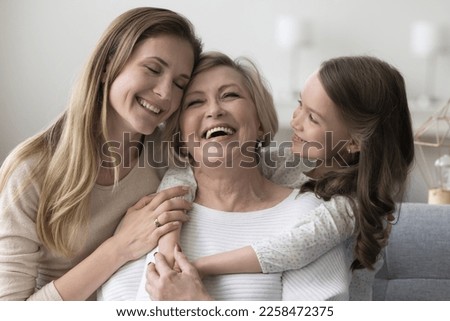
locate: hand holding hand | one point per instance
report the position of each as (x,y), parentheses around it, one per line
(150,218)
(164,283)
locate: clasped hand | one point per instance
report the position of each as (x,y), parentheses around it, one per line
(137,233)
(182,283)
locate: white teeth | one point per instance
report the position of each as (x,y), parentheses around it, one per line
(146,105)
(228,131)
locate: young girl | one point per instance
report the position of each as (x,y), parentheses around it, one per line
(64,191)
(353,120)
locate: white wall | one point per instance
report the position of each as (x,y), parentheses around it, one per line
(43,44)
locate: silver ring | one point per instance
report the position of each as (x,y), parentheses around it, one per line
(157,224)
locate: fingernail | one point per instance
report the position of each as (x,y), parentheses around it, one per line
(154,254)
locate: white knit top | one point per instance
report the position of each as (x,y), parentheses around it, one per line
(211,231)
(329,224)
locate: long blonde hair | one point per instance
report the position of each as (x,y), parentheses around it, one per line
(67,153)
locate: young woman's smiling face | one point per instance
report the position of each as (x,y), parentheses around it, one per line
(150,86)
(218,113)
(316,115)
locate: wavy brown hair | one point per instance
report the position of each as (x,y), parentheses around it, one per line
(371,97)
(67,154)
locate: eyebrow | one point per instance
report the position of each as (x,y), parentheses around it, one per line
(229,85)
(165,64)
(199,91)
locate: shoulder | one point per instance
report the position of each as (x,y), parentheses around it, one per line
(281,166)
(20,194)
(342,204)
(308,198)
(20,171)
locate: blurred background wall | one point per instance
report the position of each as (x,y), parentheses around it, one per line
(44,44)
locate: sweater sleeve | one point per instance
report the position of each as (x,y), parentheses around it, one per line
(19,243)
(178,176)
(282,167)
(314,234)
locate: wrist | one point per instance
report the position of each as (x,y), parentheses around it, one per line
(202,267)
(115,251)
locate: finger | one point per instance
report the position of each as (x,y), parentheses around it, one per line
(164,229)
(152,280)
(144,201)
(152,273)
(167,195)
(182,262)
(173,204)
(172,216)
(161,265)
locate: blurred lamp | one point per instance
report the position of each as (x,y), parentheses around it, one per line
(426,42)
(293,35)
(434,133)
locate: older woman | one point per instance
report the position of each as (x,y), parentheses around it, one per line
(226,114)
(340,98)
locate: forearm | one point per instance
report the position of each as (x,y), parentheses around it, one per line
(167,243)
(314,235)
(85,278)
(242,260)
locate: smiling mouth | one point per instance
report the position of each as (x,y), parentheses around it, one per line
(148,106)
(295,138)
(218,132)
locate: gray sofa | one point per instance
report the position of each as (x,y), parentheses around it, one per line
(417,258)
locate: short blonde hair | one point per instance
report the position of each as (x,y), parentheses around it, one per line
(255,84)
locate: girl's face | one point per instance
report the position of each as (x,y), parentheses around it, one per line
(219,115)
(150,86)
(319,130)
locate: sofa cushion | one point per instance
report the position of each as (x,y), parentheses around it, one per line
(417,258)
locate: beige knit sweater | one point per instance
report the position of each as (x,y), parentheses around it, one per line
(27,268)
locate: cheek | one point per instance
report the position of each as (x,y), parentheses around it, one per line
(177,95)
(186,127)
(120,90)
(115,91)
(334,144)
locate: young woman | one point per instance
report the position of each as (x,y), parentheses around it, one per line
(65,190)
(353,120)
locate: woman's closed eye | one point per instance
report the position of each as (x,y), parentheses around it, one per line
(153,70)
(230,95)
(179,85)
(194,102)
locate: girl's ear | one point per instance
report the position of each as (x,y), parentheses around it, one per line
(353,147)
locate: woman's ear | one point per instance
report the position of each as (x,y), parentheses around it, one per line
(260,132)
(105,71)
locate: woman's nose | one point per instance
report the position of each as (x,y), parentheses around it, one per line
(215,109)
(164,88)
